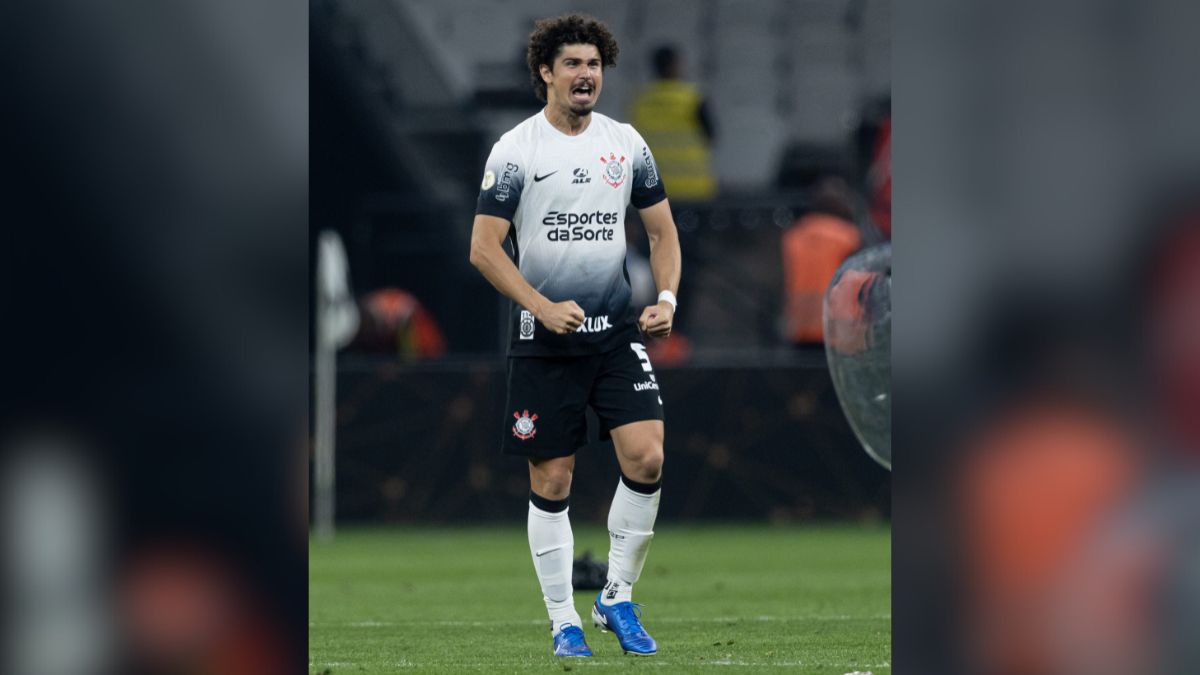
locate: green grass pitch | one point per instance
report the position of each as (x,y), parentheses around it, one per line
(742,597)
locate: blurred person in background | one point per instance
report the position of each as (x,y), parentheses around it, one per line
(813,247)
(1079,570)
(675,120)
(557,186)
(395,322)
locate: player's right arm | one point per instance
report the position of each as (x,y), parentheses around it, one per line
(489,257)
(499,196)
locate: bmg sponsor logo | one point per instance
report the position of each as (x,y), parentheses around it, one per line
(651,170)
(569,226)
(504,187)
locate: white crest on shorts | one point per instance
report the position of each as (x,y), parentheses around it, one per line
(526,325)
(524,428)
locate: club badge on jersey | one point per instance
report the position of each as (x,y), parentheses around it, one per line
(614,169)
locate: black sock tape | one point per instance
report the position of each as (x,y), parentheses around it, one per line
(549,505)
(644,488)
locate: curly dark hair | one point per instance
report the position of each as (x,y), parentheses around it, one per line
(549,35)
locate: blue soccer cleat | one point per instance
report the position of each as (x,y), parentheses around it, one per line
(624,620)
(570,642)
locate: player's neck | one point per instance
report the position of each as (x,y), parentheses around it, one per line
(566,121)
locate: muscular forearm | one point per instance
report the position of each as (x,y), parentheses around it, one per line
(665,264)
(494,264)
(666,260)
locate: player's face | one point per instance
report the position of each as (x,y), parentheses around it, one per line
(575,79)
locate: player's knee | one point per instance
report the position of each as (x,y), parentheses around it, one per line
(647,464)
(554,490)
(552,483)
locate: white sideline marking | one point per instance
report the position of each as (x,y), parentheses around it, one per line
(602,664)
(538,622)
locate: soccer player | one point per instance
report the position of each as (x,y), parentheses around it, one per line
(557,186)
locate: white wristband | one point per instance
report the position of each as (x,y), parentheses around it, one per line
(670,298)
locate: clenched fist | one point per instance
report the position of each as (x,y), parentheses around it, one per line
(561,318)
(656,320)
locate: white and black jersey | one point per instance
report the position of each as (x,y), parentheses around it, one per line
(566,197)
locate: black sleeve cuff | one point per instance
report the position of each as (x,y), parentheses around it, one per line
(648,200)
(489,208)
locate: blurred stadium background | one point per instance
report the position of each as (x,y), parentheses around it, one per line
(155,173)
(407,98)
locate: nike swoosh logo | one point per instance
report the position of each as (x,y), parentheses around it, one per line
(538,179)
(544,551)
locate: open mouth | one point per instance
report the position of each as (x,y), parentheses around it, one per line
(582,92)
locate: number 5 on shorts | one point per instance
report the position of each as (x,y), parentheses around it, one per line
(640,349)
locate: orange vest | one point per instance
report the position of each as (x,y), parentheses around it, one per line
(813,248)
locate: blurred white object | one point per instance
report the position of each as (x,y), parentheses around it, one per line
(336,323)
(56,616)
(337,313)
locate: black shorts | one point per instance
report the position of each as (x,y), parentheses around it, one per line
(546,413)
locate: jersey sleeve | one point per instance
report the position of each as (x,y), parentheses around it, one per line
(503,180)
(647,184)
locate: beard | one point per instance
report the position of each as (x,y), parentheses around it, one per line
(581,109)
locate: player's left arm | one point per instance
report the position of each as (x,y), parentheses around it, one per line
(666,263)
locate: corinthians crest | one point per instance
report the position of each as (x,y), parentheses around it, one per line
(614,169)
(524,428)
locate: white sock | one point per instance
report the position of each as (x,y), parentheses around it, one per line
(552,546)
(630,529)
